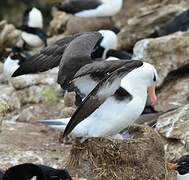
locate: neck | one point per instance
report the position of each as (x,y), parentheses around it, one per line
(134,84)
(135,89)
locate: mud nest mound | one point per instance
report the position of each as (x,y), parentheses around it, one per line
(139,158)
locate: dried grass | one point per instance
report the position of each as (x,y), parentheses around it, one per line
(140,158)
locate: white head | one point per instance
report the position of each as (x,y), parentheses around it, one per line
(35,18)
(141,80)
(110,40)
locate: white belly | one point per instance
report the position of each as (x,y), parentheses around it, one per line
(110,118)
(32,40)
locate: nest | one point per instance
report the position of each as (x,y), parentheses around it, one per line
(140,158)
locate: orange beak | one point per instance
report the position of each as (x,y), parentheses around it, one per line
(152,95)
(172,167)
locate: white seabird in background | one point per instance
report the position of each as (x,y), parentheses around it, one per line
(32,29)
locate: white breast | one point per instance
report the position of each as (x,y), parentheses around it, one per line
(110,118)
(31,39)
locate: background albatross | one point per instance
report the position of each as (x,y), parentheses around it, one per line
(91,8)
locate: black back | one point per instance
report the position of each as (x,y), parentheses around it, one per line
(180,23)
(118,54)
(48,58)
(27,171)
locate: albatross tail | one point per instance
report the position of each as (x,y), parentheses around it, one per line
(59,124)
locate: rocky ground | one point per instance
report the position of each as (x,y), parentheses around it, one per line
(26,99)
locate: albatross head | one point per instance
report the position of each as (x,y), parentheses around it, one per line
(109,41)
(142,80)
(181,166)
(13,61)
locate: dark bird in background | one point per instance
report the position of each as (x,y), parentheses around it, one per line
(33,33)
(179,23)
(91,8)
(30,171)
(181,167)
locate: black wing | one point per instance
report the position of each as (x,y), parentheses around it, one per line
(96,71)
(28,170)
(100,93)
(48,58)
(74,6)
(76,55)
(100,68)
(179,23)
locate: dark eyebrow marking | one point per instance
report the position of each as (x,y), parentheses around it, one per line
(154,79)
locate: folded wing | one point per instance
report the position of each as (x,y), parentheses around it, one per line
(91,74)
(76,55)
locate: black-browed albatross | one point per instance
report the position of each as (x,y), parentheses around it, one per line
(91,8)
(109,108)
(33,34)
(52,55)
(17,64)
(81,51)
